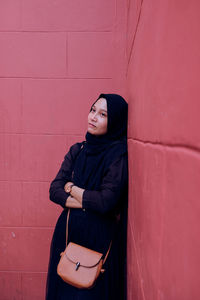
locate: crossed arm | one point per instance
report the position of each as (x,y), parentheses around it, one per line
(103,200)
(75,198)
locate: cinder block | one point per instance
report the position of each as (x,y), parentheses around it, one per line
(10,286)
(56,105)
(164,75)
(89,15)
(33,286)
(90,55)
(38,210)
(61,106)
(10,152)
(10,105)
(42,156)
(11,203)
(33,54)
(25,249)
(10,14)
(181,231)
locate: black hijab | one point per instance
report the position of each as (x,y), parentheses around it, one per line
(99,152)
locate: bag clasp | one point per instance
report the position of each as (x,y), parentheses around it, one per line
(77,265)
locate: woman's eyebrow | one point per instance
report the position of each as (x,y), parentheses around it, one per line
(101,109)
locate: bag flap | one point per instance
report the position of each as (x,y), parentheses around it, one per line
(86,257)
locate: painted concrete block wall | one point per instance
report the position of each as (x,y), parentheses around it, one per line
(163,51)
(55,59)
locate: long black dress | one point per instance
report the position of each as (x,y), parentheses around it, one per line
(94,226)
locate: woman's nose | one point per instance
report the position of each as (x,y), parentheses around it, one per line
(94,117)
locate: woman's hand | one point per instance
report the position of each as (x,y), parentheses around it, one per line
(71,202)
(75,192)
(67,185)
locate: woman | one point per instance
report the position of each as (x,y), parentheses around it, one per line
(92,182)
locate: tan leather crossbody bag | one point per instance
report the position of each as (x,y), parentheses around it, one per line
(80,266)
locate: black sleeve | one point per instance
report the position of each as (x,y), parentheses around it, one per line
(113,186)
(57,193)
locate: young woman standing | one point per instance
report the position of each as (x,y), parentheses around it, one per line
(93,182)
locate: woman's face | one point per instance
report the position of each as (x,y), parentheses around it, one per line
(98,118)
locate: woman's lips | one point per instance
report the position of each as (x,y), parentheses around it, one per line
(91,125)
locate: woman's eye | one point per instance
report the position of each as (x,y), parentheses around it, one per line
(93,110)
(103,115)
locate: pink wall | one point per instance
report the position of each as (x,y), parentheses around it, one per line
(163,49)
(55,59)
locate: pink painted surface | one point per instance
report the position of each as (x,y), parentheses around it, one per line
(10,156)
(10,105)
(164,145)
(62,15)
(90,55)
(56,57)
(38,54)
(11,287)
(25,248)
(165,64)
(11,201)
(10,14)
(29,283)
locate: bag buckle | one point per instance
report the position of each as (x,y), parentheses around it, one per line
(77,265)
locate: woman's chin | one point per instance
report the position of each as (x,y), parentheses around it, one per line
(91,130)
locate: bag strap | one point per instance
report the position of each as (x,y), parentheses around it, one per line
(67,223)
(67,228)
